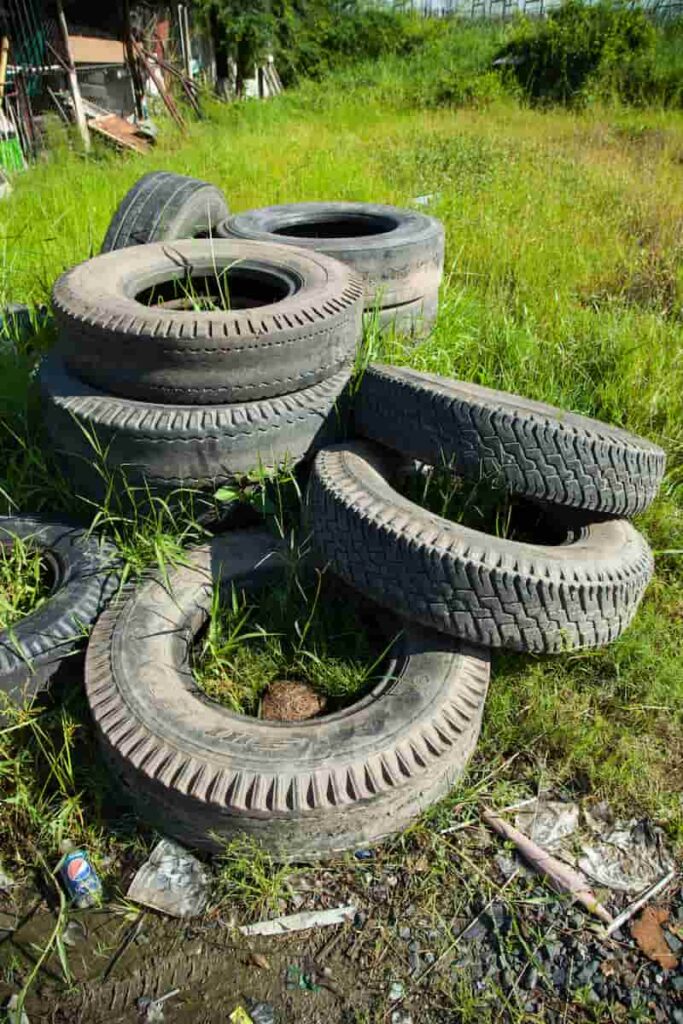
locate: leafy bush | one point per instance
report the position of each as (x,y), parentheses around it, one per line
(308,38)
(581,48)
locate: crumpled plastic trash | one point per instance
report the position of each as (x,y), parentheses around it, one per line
(172,880)
(548,822)
(628,856)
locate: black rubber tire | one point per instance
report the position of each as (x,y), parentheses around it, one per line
(399,263)
(530,448)
(468,584)
(162,207)
(164,447)
(85,576)
(182,357)
(305,790)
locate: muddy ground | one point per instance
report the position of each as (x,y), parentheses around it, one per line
(513,953)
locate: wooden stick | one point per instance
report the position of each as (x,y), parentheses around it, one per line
(4,54)
(189,87)
(151,71)
(563,878)
(73,79)
(637,904)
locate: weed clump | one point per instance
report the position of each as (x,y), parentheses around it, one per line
(306,630)
(23,581)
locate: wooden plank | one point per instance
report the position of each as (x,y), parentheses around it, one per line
(118,130)
(89,50)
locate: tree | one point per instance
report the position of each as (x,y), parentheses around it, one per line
(243,33)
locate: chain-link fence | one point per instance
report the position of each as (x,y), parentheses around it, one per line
(502,9)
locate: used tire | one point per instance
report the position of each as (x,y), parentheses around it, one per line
(481,588)
(84,577)
(163,447)
(530,448)
(306,789)
(295,320)
(416,318)
(163,206)
(397,253)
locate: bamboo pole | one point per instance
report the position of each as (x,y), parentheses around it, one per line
(72,78)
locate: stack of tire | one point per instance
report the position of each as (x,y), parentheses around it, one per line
(309,789)
(173,389)
(152,380)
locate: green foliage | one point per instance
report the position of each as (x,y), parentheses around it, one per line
(578,46)
(308,38)
(23,583)
(318,36)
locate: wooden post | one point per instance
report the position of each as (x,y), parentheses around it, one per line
(73,79)
(188,43)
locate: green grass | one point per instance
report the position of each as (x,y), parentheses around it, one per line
(307,630)
(563,281)
(23,583)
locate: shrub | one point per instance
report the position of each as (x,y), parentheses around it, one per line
(579,48)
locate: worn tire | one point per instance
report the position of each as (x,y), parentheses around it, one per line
(304,790)
(413,318)
(84,571)
(163,206)
(306,335)
(397,253)
(164,447)
(468,584)
(530,448)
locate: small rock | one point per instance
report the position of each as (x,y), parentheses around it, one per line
(74,931)
(530,979)
(6,880)
(678,1016)
(477,930)
(674,944)
(404,933)
(401,1016)
(429,958)
(360,919)
(414,957)
(587,972)
(677,983)
(396,991)
(559,977)
(262,1013)
(506,865)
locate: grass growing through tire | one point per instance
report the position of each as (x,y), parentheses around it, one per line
(23,582)
(307,630)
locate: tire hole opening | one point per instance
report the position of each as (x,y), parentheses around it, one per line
(348,225)
(234,288)
(480,505)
